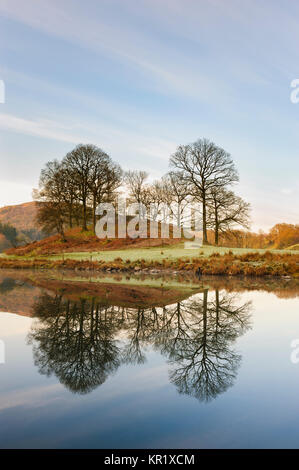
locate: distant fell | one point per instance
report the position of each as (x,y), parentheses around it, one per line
(21,216)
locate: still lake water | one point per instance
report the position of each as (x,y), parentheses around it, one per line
(120,364)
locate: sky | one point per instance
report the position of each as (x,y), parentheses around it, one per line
(140,77)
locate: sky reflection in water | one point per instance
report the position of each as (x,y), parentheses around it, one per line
(132,367)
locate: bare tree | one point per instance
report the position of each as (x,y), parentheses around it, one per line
(51,214)
(177,195)
(138,188)
(156,198)
(104,180)
(70,192)
(204,166)
(80,162)
(226,210)
(136,182)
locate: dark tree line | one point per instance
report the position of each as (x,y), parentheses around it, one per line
(71,189)
(10,233)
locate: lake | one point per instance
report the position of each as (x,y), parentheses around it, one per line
(139,362)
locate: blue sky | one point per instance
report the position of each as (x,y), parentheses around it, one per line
(140,77)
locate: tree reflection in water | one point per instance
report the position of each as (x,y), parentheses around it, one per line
(203,363)
(74,340)
(82,342)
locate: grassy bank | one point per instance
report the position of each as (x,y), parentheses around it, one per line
(209,260)
(160,253)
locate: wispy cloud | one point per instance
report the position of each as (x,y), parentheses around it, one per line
(46,129)
(75,132)
(138,78)
(163,67)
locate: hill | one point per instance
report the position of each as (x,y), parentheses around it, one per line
(21,216)
(4,243)
(78,241)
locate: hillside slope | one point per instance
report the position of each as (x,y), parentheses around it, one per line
(76,240)
(4,243)
(21,216)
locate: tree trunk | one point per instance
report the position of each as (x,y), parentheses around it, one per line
(84,225)
(71,215)
(216,235)
(216,228)
(61,231)
(204,221)
(94,214)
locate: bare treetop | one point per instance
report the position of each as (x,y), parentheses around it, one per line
(204,166)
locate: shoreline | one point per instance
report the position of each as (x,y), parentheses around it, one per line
(228,265)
